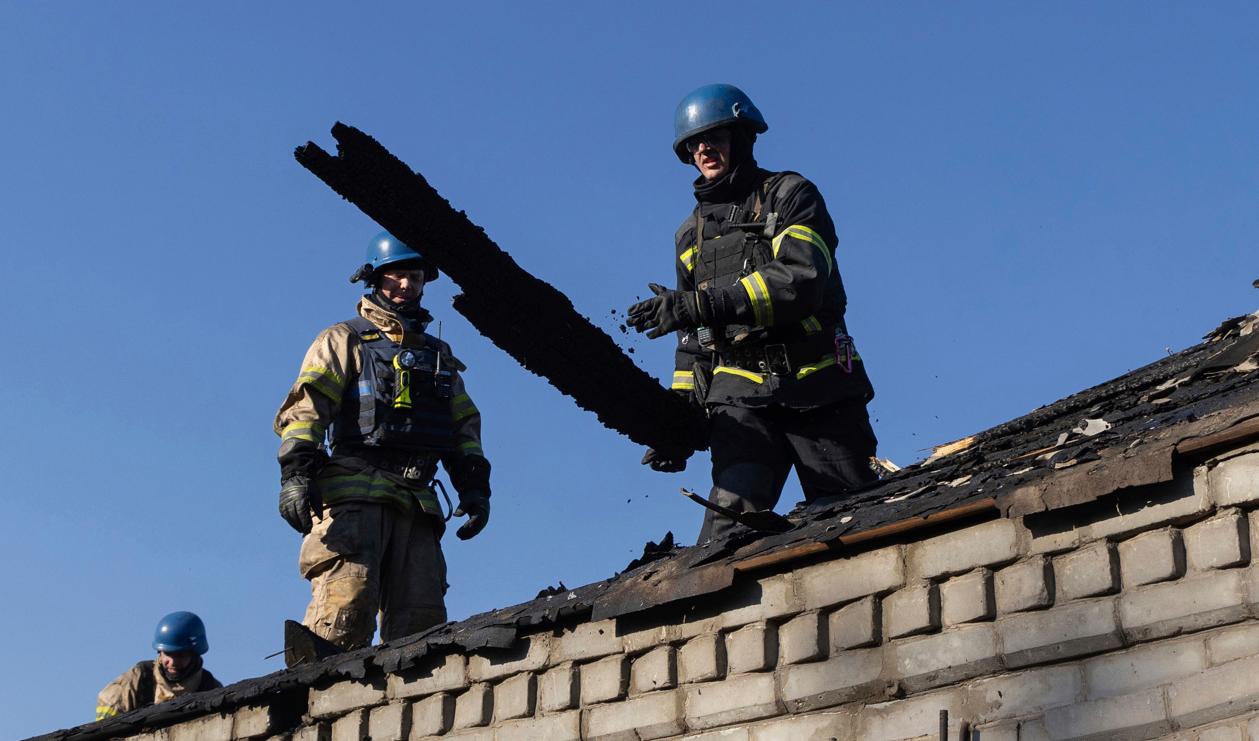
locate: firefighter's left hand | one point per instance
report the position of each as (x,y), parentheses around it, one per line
(667,311)
(476,505)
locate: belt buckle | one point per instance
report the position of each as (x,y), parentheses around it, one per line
(777,361)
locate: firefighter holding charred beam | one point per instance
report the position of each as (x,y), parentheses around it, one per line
(758,309)
(388,399)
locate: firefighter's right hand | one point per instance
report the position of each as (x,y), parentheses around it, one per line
(665,462)
(298,499)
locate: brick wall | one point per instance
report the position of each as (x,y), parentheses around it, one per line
(1137,622)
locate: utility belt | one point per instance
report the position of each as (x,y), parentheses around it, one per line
(785,358)
(414,466)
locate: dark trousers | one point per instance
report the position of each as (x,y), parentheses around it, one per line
(753,450)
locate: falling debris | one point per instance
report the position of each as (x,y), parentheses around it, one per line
(524,316)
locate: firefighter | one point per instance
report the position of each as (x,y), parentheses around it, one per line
(759,314)
(389,399)
(180,643)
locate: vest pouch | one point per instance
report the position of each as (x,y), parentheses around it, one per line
(723,262)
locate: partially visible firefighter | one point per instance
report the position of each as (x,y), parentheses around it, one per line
(759,311)
(388,398)
(180,643)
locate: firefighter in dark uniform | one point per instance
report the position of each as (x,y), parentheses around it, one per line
(759,312)
(390,399)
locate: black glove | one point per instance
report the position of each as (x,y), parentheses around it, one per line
(298,499)
(476,505)
(665,462)
(668,311)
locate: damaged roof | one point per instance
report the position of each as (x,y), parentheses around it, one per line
(1127,432)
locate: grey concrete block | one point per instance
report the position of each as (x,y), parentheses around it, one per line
(475,707)
(1091,571)
(530,654)
(350,727)
(1225,691)
(515,697)
(650,716)
(558,689)
(1072,630)
(586,641)
(1144,667)
(855,625)
(967,598)
(802,638)
(655,670)
(562,727)
(1152,557)
(828,725)
(432,716)
(1222,733)
(1026,585)
(752,648)
(736,700)
(702,659)
(345,696)
(850,675)
(1193,603)
(846,579)
(1217,543)
(390,722)
(215,725)
(432,674)
(952,656)
(1229,644)
(1140,715)
(912,610)
(312,732)
(1023,694)
(253,722)
(989,544)
(604,680)
(1234,479)
(912,718)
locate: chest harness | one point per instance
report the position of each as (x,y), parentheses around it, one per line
(743,245)
(403,403)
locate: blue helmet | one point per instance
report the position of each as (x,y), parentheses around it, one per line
(181,631)
(711,106)
(386,249)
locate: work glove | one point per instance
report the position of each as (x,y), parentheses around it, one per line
(298,499)
(665,462)
(476,505)
(667,311)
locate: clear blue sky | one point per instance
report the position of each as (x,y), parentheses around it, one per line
(1031,199)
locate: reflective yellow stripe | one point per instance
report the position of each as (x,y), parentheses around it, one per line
(762,306)
(825,362)
(688,259)
(105,711)
(756,377)
(805,234)
(811,325)
(683,380)
(325,381)
(311,431)
(461,407)
(471,447)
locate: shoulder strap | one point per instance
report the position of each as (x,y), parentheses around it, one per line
(146,688)
(361,326)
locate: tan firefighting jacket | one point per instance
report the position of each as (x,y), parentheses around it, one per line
(332,367)
(143,685)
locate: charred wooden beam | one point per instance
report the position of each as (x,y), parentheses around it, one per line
(526,317)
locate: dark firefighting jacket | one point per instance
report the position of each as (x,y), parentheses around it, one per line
(763,244)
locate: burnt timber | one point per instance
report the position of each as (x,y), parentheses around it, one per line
(526,317)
